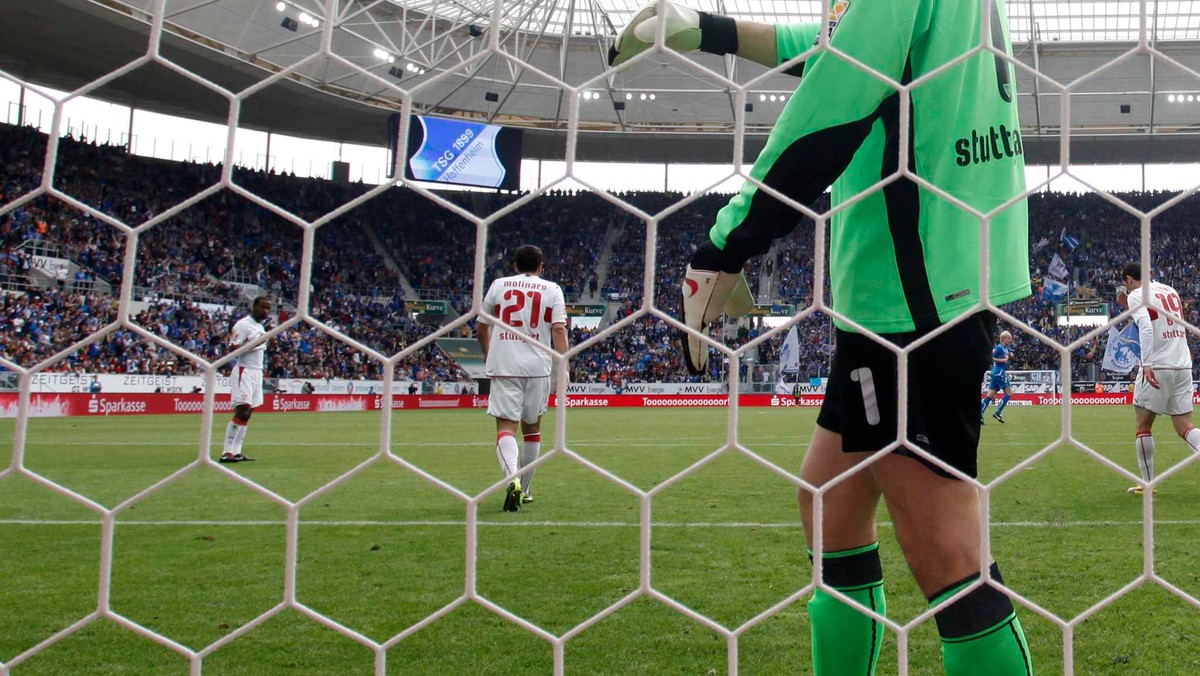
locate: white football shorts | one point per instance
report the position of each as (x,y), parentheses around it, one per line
(246,386)
(521,399)
(1173,395)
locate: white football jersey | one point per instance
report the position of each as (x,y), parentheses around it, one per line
(1163,339)
(531,305)
(246,330)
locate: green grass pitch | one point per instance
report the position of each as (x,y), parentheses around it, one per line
(380,552)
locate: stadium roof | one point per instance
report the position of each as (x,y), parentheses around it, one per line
(1054,20)
(438,51)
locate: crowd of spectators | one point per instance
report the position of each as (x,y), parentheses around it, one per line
(39,323)
(1109,237)
(193,266)
(200,254)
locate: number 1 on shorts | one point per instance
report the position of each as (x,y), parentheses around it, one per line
(862,376)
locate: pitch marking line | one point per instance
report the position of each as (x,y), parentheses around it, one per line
(561,524)
(576,444)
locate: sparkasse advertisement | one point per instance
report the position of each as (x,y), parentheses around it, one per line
(52,405)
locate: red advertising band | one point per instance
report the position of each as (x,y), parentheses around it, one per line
(45,404)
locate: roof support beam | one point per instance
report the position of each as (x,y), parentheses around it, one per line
(1153,71)
(516,75)
(1037,66)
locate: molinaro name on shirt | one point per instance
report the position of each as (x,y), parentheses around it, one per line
(987,145)
(524,284)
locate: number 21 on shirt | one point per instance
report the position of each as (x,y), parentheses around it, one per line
(511,312)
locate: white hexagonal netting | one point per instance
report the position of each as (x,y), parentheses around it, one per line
(648,308)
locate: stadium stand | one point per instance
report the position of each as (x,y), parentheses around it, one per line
(196,268)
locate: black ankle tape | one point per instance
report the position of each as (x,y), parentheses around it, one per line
(993,570)
(981,609)
(855,570)
(718,34)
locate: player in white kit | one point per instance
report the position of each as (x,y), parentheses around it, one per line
(1164,383)
(519,371)
(246,377)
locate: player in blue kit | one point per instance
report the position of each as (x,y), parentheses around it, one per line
(999,378)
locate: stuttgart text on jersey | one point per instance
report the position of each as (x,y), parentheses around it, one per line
(993,144)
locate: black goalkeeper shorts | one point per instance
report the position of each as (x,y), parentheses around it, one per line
(943,393)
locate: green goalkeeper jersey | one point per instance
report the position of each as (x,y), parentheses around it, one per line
(902,258)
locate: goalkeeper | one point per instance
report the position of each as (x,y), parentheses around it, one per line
(903,262)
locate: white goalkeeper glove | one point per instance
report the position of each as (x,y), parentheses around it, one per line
(706,296)
(686,30)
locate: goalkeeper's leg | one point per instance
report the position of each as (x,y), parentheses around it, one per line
(937,524)
(845,641)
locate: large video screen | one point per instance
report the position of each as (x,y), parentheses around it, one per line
(443,150)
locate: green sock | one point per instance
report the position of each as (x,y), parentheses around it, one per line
(981,634)
(845,642)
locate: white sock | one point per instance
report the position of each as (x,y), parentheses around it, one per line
(1145,456)
(506,450)
(1192,437)
(530,451)
(238,437)
(230,438)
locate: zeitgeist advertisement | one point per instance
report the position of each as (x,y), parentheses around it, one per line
(443,150)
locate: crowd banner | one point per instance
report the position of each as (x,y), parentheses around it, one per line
(128,383)
(1109,386)
(56,268)
(50,405)
(1028,382)
(135,383)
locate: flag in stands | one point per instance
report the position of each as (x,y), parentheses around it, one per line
(1057,267)
(1053,290)
(789,362)
(789,354)
(1070,241)
(1123,351)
